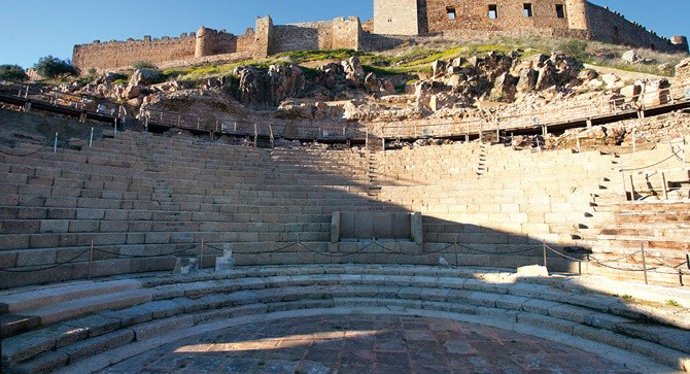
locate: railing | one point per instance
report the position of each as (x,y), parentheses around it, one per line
(536,119)
(629,175)
(240,127)
(540,119)
(64,99)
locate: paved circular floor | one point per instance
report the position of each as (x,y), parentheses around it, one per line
(365,344)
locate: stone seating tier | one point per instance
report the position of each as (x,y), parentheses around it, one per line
(633,330)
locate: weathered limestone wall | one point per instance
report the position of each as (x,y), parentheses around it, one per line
(301,37)
(211,42)
(475,15)
(347,33)
(396,18)
(262,37)
(340,33)
(611,27)
(116,54)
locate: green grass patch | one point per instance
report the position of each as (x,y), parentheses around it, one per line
(298,57)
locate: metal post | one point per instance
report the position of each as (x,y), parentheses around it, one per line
(235,130)
(455,247)
(632,188)
(90,258)
(55,143)
(680,280)
(543,243)
(1,359)
(115,128)
(179,120)
(270,131)
(625,187)
(644,264)
(577,138)
(256,134)
(91,138)
(665,186)
(201,256)
(198,123)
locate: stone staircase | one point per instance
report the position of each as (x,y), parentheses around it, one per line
(638,330)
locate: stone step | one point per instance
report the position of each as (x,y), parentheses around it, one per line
(574,321)
(16,302)
(66,310)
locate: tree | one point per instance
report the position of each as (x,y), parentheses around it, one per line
(12,73)
(53,67)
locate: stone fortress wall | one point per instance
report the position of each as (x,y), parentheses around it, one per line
(562,18)
(259,42)
(394,21)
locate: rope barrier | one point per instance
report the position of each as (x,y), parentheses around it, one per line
(44,146)
(146,256)
(47,267)
(675,154)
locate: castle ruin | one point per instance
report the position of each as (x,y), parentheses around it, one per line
(394,21)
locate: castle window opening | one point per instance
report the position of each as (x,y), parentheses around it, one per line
(560,11)
(527,9)
(451,13)
(493,11)
(390,20)
(616,32)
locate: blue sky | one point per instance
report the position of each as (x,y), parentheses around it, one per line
(30,29)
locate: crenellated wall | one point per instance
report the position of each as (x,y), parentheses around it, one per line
(341,33)
(125,53)
(607,26)
(393,19)
(560,18)
(260,42)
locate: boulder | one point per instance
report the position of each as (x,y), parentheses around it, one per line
(505,88)
(145,77)
(438,68)
(331,75)
(527,81)
(269,87)
(354,72)
(630,57)
(547,77)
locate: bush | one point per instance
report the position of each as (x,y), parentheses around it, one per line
(575,48)
(52,67)
(144,65)
(12,73)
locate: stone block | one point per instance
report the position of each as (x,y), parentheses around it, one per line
(533,271)
(335,227)
(99,344)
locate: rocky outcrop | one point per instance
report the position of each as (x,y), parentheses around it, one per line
(259,87)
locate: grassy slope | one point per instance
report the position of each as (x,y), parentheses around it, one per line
(417,58)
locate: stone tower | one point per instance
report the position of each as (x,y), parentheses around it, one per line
(202,43)
(681,42)
(576,11)
(396,17)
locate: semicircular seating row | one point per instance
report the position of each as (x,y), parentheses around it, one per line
(88,326)
(146,195)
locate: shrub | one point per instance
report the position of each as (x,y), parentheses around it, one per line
(12,73)
(575,48)
(144,65)
(52,67)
